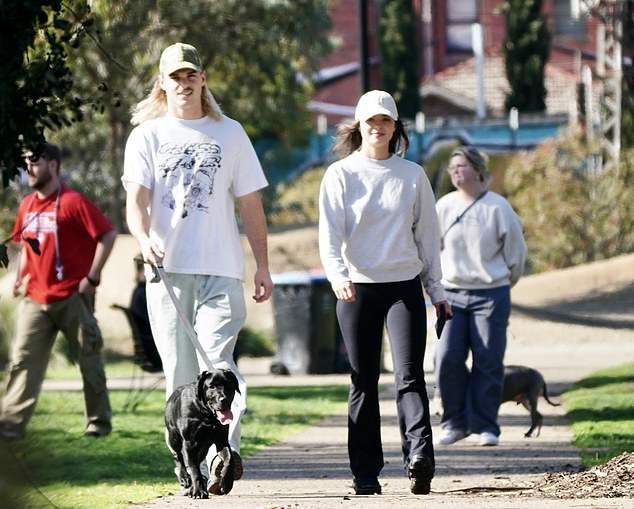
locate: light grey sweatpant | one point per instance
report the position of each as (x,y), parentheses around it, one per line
(215,307)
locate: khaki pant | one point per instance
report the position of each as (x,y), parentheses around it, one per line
(37,328)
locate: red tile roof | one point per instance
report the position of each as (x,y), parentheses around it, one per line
(458,85)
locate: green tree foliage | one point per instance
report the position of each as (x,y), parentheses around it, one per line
(526,49)
(259,56)
(399,55)
(36,87)
(567,209)
(120,65)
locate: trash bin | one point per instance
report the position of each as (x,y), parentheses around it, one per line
(306,330)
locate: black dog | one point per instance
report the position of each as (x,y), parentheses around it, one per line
(524,385)
(197,416)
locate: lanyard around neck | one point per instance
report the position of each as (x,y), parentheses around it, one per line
(59,266)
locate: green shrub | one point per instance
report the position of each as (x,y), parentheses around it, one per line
(10,198)
(298,201)
(253,343)
(436,168)
(571,213)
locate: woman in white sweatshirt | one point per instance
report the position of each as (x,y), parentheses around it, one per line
(378,241)
(483,254)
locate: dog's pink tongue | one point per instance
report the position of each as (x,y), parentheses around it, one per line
(224,416)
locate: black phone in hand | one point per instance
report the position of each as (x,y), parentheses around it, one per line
(440,321)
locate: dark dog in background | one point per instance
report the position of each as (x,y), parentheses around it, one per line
(524,385)
(197,416)
(521,384)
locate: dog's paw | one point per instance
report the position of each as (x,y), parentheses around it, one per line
(199,489)
(185,482)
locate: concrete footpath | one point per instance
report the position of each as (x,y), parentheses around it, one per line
(566,324)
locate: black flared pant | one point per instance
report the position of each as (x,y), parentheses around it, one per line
(400,306)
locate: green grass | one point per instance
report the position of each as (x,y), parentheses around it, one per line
(56,466)
(601,411)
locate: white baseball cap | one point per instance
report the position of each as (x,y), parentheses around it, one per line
(375,102)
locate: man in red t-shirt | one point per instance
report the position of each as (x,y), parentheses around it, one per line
(66,241)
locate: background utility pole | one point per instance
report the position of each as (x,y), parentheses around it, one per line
(610,77)
(363,45)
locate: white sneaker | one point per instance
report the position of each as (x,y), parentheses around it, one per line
(449,436)
(487,438)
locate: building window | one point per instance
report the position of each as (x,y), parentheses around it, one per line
(570,18)
(461,14)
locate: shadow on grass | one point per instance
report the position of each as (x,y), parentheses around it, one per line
(9,476)
(594,382)
(601,414)
(117,458)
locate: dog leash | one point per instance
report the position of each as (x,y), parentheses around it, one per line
(159,272)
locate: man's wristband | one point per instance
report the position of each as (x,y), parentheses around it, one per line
(93,282)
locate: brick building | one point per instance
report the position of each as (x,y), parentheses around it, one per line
(446,59)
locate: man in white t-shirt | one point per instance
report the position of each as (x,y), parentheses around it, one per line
(186,165)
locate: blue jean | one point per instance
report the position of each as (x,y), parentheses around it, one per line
(471,398)
(401,307)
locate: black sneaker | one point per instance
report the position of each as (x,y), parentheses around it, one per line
(420,472)
(366,486)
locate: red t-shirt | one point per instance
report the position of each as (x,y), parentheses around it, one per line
(79,224)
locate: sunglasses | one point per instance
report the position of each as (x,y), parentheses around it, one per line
(34,158)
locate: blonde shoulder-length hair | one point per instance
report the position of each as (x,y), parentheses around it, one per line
(155,105)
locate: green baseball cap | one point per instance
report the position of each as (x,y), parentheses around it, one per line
(179,56)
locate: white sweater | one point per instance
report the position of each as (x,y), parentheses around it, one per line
(486,248)
(378,223)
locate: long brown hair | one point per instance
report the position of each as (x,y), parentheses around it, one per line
(348,139)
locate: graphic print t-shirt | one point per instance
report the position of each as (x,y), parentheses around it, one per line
(194,169)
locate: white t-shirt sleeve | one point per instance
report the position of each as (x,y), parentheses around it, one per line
(137,163)
(248,175)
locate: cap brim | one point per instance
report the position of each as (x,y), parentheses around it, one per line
(177,66)
(376,111)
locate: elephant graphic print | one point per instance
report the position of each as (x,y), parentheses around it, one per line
(192,166)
